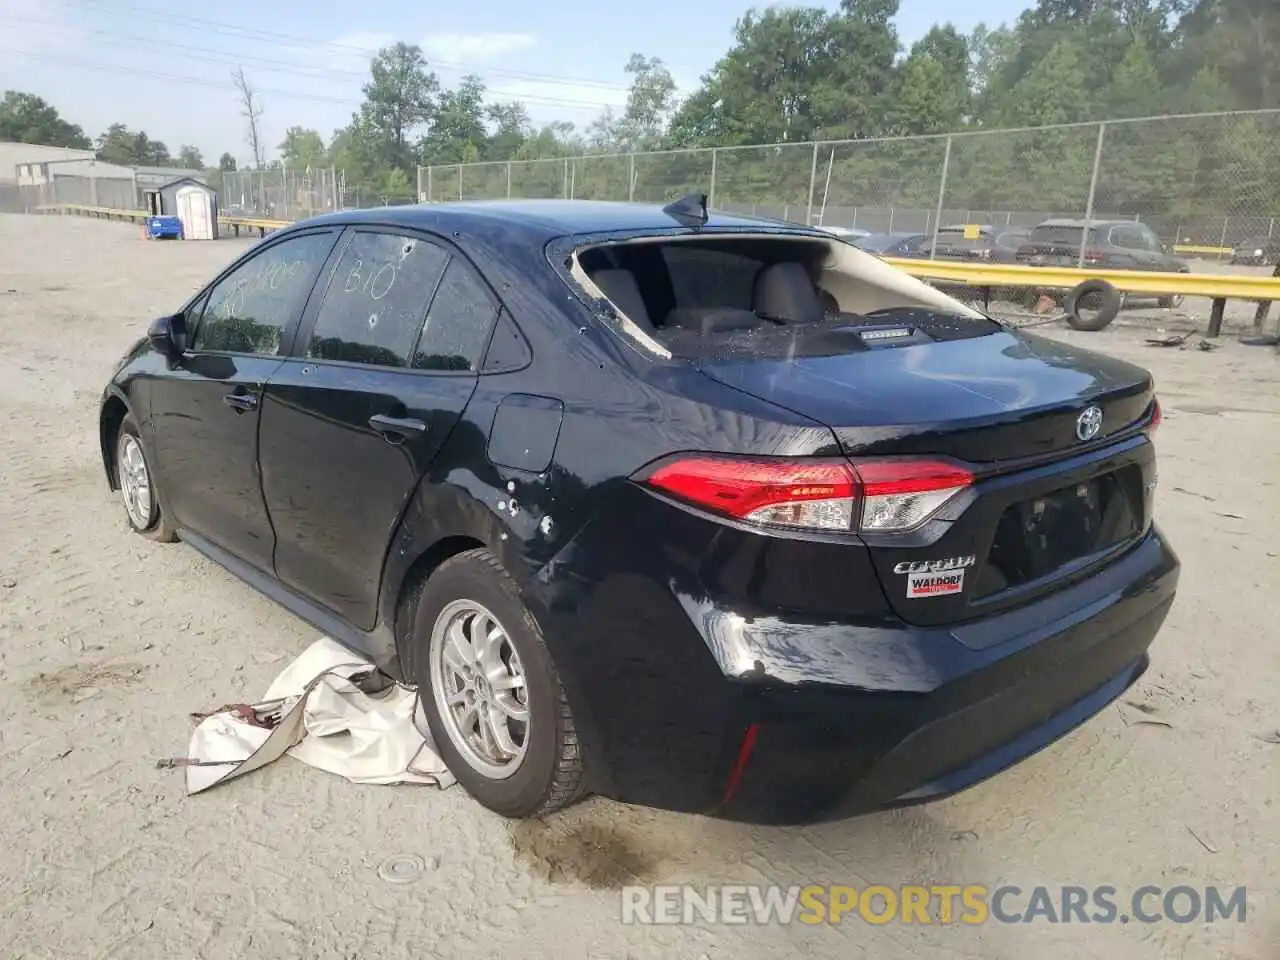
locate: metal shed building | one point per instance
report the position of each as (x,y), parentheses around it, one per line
(192,201)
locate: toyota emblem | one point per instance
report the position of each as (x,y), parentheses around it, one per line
(1089,424)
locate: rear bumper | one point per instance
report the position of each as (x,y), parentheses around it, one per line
(758,716)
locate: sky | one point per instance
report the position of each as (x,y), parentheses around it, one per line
(153,68)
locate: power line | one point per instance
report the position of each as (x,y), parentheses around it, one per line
(277,66)
(200,23)
(174,78)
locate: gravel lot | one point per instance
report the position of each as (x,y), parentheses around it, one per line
(107,642)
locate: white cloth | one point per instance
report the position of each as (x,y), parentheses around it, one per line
(327,722)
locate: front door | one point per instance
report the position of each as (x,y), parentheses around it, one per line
(205,411)
(352,422)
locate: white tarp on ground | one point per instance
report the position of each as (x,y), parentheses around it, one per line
(332,711)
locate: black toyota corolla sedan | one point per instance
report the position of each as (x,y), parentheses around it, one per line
(709,513)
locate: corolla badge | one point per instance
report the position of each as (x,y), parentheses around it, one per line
(1089,424)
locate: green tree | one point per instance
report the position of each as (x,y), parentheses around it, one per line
(1135,89)
(399,100)
(511,126)
(650,103)
(226,162)
(396,185)
(119,144)
(302,148)
(931,92)
(190,158)
(26,118)
(1240,39)
(794,73)
(988,51)
(457,131)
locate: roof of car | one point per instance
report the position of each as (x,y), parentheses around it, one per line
(1080,224)
(545,219)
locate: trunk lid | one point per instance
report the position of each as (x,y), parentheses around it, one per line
(987,400)
(1045,506)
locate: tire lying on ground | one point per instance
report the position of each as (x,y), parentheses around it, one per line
(1097,290)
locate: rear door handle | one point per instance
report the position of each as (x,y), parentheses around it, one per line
(240,402)
(397,426)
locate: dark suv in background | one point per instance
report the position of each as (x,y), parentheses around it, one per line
(1109,244)
(990,244)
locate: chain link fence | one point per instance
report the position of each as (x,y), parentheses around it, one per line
(278,194)
(281,193)
(1205,181)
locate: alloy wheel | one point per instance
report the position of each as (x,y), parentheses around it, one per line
(478,684)
(135,482)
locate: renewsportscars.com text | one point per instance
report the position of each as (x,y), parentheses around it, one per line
(970,904)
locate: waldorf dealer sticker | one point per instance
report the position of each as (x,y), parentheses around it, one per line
(935,584)
(934,578)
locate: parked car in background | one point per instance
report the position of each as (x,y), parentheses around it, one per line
(846,233)
(1108,244)
(638,516)
(992,244)
(892,244)
(1258,252)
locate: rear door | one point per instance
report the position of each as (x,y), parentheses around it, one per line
(351,422)
(1134,249)
(205,410)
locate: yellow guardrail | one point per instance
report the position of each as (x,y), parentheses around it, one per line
(1196,249)
(109,213)
(1212,285)
(262,225)
(253,223)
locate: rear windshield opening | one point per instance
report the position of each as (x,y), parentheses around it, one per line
(771,295)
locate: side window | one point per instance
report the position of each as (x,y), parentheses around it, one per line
(458,322)
(1128,237)
(249,309)
(376,298)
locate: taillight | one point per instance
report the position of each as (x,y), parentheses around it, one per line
(870,496)
(900,495)
(816,494)
(1094,256)
(1156,417)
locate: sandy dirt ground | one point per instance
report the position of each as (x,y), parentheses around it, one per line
(108,641)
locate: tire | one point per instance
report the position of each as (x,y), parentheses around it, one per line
(133,467)
(546,772)
(1112,301)
(1173,302)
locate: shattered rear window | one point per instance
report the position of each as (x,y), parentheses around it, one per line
(767,297)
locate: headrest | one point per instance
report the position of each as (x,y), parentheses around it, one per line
(783,291)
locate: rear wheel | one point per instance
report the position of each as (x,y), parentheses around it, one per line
(1171,303)
(137,486)
(490,692)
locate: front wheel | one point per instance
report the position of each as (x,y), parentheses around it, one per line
(138,487)
(490,692)
(1171,303)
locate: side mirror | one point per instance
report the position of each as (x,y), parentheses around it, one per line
(166,336)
